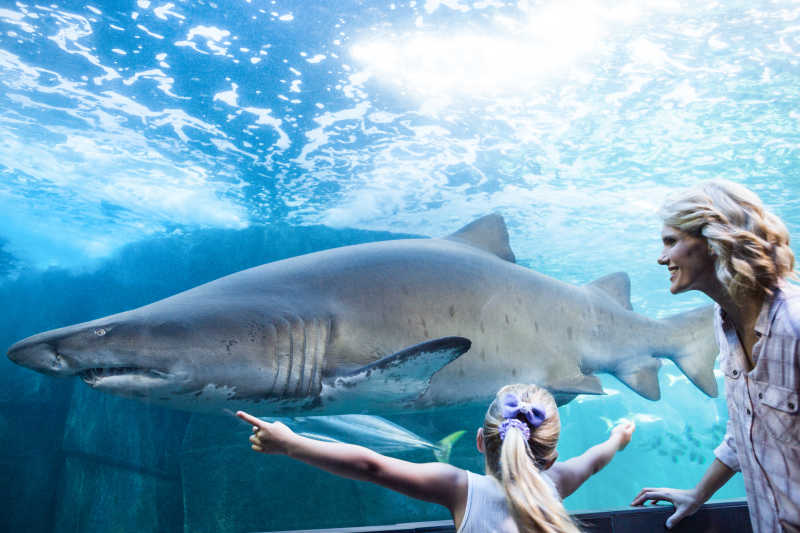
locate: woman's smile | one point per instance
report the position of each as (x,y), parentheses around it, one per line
(688,260)
(673,271)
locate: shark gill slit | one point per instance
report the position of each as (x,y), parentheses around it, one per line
(289,355)
(311,360)
(321,329)
(298,330)
(310,332)
(282,357)
(309,369)
(271,337)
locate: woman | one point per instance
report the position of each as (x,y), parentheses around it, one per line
(719,239)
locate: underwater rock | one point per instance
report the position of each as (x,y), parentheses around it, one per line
(119,432)
(98,496)
(29,465)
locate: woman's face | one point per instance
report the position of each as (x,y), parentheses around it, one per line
(690,262)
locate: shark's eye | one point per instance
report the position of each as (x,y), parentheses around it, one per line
(100,332)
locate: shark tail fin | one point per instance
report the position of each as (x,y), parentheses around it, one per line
(445,446)
(696,347)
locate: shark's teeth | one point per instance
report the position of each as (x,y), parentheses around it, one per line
(92,375)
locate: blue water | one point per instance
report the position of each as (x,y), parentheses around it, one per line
(150,146)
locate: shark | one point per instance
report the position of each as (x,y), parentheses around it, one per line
(390,326)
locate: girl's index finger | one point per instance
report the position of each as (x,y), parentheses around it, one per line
(250,419)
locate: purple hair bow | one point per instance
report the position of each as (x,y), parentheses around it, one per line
(512,408)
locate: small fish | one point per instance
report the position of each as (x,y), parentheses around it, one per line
(373,432)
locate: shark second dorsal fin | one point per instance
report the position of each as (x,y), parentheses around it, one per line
(616,285)
(488,233)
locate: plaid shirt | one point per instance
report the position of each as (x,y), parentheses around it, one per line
(763,433)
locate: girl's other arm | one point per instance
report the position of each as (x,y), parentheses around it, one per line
(438,483)
(572,473)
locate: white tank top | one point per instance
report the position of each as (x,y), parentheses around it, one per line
(487,510)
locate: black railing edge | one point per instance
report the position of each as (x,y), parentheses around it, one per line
(594,520)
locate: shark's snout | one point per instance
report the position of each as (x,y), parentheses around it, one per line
(81,351)
(39,355)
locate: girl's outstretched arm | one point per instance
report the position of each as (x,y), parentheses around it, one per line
(571,474)
(433,482)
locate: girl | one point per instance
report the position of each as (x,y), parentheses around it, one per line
(719,239)
(524,486)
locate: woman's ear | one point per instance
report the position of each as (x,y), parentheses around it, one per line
(479,441)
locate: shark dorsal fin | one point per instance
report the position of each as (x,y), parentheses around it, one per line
(488,233)
(616,285)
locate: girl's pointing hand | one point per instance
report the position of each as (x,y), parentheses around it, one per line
(268,437)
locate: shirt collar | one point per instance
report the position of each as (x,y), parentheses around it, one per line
(765,317)
(770,308)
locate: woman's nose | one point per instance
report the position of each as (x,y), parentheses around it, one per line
(662,259)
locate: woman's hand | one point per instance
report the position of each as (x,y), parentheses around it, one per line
(686,502)
(268,437)
(622,433)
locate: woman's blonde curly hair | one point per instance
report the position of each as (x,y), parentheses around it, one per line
(750,243)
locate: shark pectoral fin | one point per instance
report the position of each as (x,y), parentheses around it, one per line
(641,376)
(488,233)
(400,377)
(616,285)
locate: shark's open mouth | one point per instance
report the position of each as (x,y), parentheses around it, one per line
(92,376)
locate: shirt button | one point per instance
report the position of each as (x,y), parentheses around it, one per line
(748,411)
(790,405)
(758,334)
(761,396)
(735,372)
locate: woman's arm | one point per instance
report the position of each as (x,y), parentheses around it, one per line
(572,473)
(433,482)
(687,502)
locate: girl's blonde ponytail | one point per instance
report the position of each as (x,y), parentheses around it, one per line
(516,461)
(531,498)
